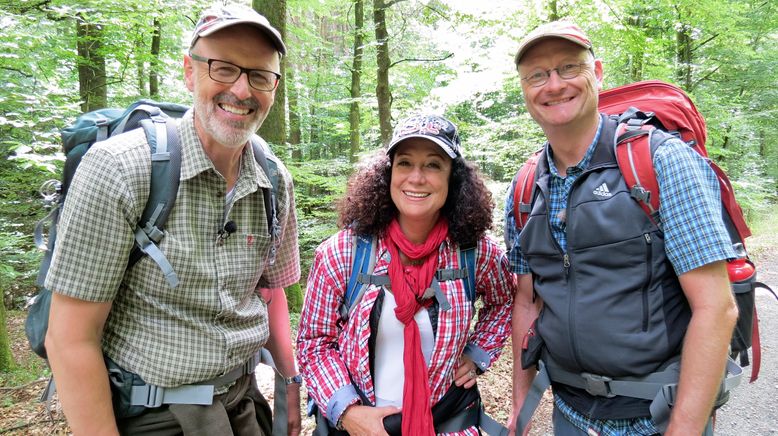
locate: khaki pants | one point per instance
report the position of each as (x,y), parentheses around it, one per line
(242,411)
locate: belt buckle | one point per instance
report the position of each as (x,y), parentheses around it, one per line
(598,385)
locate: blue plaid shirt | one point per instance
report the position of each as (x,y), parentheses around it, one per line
(690,208)
(695,235)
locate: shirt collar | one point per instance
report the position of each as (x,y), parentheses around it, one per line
(584,162)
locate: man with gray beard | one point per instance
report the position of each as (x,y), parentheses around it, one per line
(192,348)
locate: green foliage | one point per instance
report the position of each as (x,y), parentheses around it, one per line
(28,366)
(294,297)
(318,185)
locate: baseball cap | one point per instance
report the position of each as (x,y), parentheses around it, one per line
(556,29)
(432,127)
(220,17)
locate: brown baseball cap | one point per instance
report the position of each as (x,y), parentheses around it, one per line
(220,17)
(556,29)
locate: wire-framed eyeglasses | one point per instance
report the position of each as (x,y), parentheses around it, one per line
(227,72)
(539,76)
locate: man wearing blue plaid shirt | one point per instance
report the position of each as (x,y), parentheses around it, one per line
(614,294)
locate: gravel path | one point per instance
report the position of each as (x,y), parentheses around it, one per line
(753,407)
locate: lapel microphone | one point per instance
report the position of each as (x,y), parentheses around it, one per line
(229,228)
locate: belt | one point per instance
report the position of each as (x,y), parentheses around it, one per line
(660,387)
(149,395)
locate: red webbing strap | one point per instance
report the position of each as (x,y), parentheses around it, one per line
(633,154)
(756,349)
(522,194)
(729,202)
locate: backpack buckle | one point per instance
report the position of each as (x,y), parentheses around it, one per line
(598,385)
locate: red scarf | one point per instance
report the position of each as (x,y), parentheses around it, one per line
(408,283)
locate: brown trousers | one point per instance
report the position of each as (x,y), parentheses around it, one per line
(242,411)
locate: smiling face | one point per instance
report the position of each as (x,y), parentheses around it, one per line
(419,184)
(561,103)
(229,113)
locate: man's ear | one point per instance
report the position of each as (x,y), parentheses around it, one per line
(188,73)
(598,73)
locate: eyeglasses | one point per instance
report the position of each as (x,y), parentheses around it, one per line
(539,77)
(226,72)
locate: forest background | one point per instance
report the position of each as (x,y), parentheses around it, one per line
(353,68)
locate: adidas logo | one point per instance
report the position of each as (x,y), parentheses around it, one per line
(602,191)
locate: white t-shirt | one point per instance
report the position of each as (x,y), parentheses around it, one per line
(389,352)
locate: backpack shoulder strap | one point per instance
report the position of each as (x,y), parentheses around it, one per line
(363,259)
(162,137)
(467,261)
(270,167)
(525,185)
(636,143)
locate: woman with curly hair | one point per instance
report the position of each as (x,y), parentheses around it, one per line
(407,343)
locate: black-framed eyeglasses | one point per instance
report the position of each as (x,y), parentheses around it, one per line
(227,72)
(539,77)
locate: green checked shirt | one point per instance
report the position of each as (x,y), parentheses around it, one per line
(214,320)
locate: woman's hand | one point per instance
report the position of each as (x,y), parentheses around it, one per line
(366,420)
(466,373)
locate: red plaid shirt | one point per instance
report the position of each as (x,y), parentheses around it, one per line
(332,353)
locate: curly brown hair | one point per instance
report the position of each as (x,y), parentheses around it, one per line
(368,208)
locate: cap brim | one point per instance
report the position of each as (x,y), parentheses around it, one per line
(446,148)
(273,36)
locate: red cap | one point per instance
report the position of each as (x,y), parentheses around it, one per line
(556,29)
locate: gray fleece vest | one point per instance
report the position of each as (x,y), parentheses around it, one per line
(613,305)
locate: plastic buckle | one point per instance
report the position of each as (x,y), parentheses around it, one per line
(639,193)
(154,396)
(598,385)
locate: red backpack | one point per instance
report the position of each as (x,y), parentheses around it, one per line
(672,111)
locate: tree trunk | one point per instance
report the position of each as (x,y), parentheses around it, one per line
(141,67)
(683,53)
(356,75)
(295,131)
(274,128)
(91,66)
(6,358)
(312,111)
(637,49)
(382,91)
(154,67)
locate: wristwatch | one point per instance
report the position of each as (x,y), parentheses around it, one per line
(295,379)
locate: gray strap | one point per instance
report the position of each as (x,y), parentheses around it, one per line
(635,387)
(531,401)
(489,425)
(661,405)
(47,395)
(154,396)
(280,412)
(153,251)
(439,295)
(370,279)
(451,274)
(38,232)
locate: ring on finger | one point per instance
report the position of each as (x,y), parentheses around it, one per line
(472,373)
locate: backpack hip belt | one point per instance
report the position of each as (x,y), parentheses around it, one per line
(660,387)
(149,395)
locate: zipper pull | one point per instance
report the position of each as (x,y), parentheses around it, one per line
(647,237)
(566,263)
